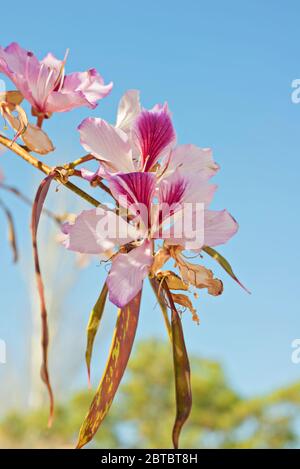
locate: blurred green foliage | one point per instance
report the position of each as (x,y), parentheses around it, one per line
(143,412)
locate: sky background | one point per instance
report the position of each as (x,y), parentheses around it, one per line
(225,69)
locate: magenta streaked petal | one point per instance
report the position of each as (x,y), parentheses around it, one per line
(133,188)
(178,189)
(127,274)
(173,189)
(181,198)
(153,134)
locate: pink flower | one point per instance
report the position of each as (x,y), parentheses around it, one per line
(134,239)
(45,85)
(142,140)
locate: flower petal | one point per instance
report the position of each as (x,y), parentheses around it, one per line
(180,218)
(90,83)
(44,85)
(210,229)
(190,159)
(178,189)
(219,227)
(128,110)
(106,143)
(153,134)
(96,231)
(133,188)
(92,175)
(22,67)
(127,273)
(59,101)
(79,89)
(52,62)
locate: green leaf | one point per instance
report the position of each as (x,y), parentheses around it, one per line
(182,377)
(93,325)
(182,372)
(223,263)
(118,358)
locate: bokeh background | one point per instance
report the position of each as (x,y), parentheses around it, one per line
(225,69)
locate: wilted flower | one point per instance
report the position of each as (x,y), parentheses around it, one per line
(45,85)
(33,136)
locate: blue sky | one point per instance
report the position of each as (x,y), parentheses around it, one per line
(225,69)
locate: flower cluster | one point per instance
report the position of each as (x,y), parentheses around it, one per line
(161,195)
(141,164)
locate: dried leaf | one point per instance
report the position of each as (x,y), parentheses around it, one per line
(14,97)
(196,275)
(37,140)
(93,325)
(36,213)
(119,354)
(160,258)
(182,373)
(11,232)
(34,138)
(18,123)
(173,280)
(223,263)
(183,300)
(201,277)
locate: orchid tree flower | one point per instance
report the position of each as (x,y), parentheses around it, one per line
(134,241)
(141,140)
(48,90)
(44,83)
(161,194)
(148,210)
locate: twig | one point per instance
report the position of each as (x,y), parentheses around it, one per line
(25,155)
(13,190)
